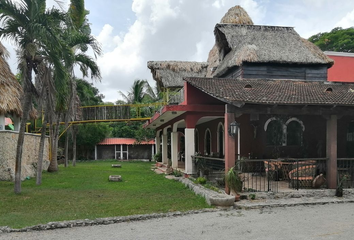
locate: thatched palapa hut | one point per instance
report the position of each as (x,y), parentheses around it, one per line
(10,92)
(170,74)
(272,45)
(235,15)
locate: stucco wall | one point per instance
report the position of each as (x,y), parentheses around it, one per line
(8,144)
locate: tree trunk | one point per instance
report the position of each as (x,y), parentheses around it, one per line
(53,166)
(66,140)
(40,152)
(74,132)
(26,106)
(21,136)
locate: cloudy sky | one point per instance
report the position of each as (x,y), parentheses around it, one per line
(132,32)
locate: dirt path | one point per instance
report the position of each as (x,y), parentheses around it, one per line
(331,221)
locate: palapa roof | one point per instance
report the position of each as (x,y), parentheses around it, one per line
(10,89)
(170,74)
(282,92)
(263,44)
(235,15)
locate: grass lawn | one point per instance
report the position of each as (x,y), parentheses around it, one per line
(84,192)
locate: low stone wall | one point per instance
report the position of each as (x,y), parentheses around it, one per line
(8,145)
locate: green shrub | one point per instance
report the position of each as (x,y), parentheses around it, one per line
(201,180)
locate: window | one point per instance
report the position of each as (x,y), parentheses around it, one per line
(274,132)
(207,142)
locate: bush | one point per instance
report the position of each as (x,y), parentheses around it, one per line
(201,180)
(158,157)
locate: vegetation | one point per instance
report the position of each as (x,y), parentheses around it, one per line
(36,33)
(84,192)
(338,40)
(233,180)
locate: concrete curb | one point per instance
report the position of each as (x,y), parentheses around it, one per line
(212,198)
(100,221)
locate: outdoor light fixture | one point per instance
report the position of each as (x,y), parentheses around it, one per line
(233,128)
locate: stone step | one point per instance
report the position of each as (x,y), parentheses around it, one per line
(115,178)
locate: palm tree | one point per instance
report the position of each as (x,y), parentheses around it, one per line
(32,28)
(137,92)
(79,39)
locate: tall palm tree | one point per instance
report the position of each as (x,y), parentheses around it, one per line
(79,39)
(32,28)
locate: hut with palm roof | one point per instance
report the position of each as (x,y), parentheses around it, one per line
(10,106)
(10,92)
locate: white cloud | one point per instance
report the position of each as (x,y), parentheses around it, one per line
(163,30)
(347,21)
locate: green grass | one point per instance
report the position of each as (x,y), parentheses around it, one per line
(84,192)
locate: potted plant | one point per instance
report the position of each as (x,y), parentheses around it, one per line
(234,182)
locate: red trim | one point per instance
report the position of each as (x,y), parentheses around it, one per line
(124,141)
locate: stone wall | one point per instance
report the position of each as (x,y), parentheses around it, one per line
(8,145)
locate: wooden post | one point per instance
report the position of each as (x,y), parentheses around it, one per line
(332,152)
(230,141)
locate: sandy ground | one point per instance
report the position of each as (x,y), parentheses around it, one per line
(330,221)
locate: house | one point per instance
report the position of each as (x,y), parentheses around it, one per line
(342,70)
(124,148)
(265,95)
(10,108)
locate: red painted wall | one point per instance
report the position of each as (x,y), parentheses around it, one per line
(195,96)
(342,70)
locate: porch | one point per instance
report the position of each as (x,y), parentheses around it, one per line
(279,175)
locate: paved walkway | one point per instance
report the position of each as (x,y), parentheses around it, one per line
(329,221)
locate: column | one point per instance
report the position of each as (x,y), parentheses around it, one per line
(17,122)
(332,152)
(2,122)
(164,147)
(189,134)
(95,152)
(174,149)
(121,152)
(115,151)
(157,142)
(152,152)
(127,152)
(230,142)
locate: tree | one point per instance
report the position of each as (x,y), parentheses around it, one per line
(338,40)
(139,92)
(32,28)
(91,134)
(88,94)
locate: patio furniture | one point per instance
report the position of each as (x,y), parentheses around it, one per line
(302,176)
(272,169)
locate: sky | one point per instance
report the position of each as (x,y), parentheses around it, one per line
(133,32)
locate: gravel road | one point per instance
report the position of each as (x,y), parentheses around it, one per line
(331,221)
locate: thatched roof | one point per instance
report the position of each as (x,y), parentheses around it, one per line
(170,74)
(10,89)
(260,44)
(235,15)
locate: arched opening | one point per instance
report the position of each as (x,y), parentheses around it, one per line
(350,140)
(221,139)
(196,140)
(274,132)
(207,142)
(294,132)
